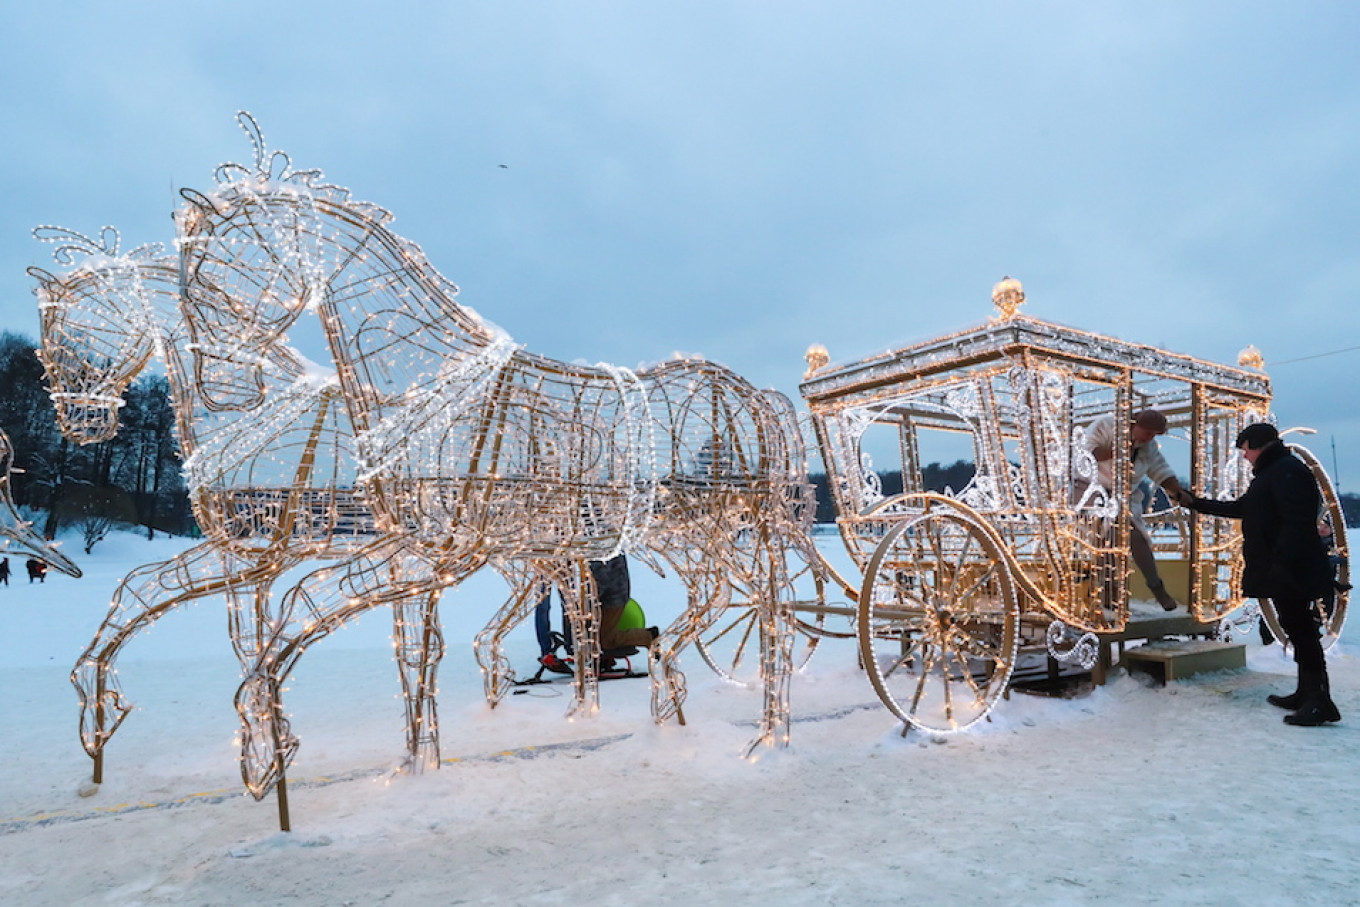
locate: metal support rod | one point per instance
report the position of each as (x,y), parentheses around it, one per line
(281,792)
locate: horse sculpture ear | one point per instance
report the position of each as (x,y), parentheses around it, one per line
(199,200)
(44,277)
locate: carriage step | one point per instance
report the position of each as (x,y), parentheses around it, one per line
(1169,660)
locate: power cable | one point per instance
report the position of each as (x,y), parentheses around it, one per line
(1314,356)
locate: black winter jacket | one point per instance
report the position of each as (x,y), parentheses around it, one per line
(1284,555)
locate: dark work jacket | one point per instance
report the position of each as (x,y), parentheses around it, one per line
(1282,552)
(611,581)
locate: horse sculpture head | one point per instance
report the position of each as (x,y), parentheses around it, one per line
(97,333)
(252,260)
(235,309)
(270,244)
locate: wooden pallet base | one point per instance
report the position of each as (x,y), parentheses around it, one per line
(1175,659)
(1114,645)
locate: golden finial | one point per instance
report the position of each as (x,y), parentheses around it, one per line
(1007,296)
(816,357)
(1251,358)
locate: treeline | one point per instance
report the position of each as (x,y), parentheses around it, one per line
(134,480)
(934,477)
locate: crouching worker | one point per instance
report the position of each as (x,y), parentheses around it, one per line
(1148,461)
(619,637)
(1284,559)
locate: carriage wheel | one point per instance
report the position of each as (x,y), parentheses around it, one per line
(938,621)
(731,644)
(1331,614)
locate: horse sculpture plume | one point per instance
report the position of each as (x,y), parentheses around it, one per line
(475,452)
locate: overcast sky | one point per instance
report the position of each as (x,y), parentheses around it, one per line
(742,179)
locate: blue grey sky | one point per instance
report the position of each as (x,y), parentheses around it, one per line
(741,179)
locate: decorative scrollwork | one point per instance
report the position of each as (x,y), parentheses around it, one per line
(1072,646)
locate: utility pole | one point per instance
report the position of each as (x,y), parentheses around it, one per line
(1336,481)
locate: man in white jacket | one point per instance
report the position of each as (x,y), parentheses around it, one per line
(1147,461)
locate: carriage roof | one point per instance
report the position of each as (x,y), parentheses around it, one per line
(1011,337)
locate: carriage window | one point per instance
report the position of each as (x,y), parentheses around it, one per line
(907,455)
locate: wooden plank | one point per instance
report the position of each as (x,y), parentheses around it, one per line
(1175,660)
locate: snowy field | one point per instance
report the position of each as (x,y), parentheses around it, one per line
(1193,793)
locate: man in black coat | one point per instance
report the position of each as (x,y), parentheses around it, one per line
(1284,559)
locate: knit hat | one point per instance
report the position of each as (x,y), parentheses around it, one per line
(1257,435)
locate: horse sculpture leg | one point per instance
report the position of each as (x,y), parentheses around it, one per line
(583,612)
(529,580)
(143,597)
(773,596)
(735,554)
(708,598)
(528,587)
(389,572)
(419,644)
(268,742)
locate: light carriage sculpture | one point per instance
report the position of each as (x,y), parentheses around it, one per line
(1031,555)
(475,452)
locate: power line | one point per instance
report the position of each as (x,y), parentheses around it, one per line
(1314,356)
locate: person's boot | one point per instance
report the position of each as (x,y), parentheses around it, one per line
(557,665)
(1163,597)
(1293,701)
(1317,708)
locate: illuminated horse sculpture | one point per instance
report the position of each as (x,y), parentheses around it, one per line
(271,486)
(16,534)
(475,452)
(102,323)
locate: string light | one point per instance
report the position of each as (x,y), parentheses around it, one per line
(432,446)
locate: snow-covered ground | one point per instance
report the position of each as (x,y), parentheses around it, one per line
(1193,793)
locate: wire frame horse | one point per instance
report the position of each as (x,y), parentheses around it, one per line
(103,322)
(271,485)
(474,451)
(17,536)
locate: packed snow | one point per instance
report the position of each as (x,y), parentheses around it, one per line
(1193,792)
